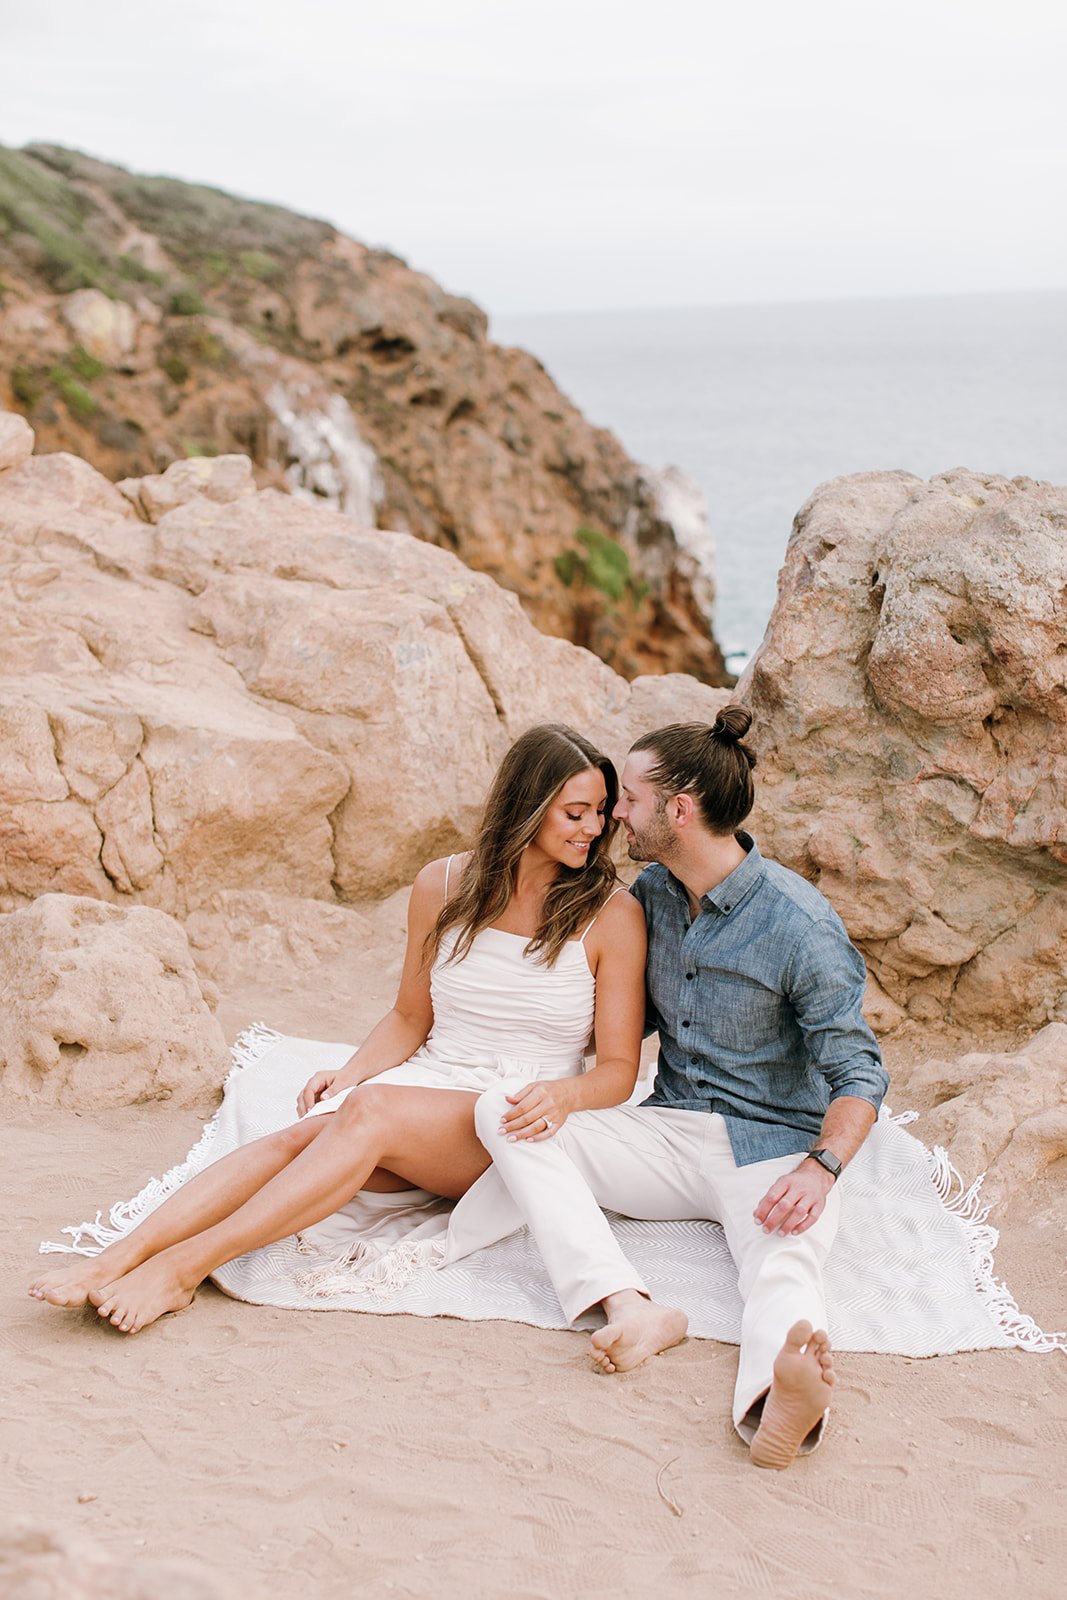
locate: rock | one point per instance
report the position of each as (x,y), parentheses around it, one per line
(1002,1114)
(57,484)
(882,1013)
(256,695)
(227,327)
(219,478)
(447,661)
(106,329)
(16,440)
(103,1007)
(40,1563)
(910,704)
(265,952)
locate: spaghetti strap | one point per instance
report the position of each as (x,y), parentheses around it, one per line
(620,889)
(448,869)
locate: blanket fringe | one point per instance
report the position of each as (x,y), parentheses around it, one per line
(965,1202)
(369,1270)
(89,1238)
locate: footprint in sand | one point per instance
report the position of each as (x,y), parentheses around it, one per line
(982,1431)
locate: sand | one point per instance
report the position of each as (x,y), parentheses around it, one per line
(337,1455)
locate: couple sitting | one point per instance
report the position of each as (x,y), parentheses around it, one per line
(769,1079)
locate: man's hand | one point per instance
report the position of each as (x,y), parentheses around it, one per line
(796,1201)
(539,1103)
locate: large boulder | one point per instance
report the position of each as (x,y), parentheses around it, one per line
(911,718)
(101,1006)
(253,693)
(1003,1113)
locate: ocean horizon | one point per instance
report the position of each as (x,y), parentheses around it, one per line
(760,403)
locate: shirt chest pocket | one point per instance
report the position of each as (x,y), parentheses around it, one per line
(736,1011)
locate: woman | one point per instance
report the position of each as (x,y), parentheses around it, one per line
(515,952)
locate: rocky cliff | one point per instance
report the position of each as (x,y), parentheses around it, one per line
(144,320)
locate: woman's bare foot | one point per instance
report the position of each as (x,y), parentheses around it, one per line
(72,1284)
(802,1390)
(143,1295)
(637,1328)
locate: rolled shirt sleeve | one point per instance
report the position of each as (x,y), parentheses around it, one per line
(826,982)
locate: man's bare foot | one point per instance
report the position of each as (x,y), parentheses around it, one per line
(637,1328)
(71,1285)
(143,1295)
(802,1389)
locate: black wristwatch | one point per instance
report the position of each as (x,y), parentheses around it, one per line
(827,1159)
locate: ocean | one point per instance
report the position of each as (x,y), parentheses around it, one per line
(759,404)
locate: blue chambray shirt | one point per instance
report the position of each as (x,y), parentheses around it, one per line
(758,1005)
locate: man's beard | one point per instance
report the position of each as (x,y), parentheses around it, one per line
(654,843)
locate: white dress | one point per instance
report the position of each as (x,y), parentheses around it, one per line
(498,1013)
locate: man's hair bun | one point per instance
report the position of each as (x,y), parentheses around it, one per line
(731,724)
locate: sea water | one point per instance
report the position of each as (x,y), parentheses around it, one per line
(760,404)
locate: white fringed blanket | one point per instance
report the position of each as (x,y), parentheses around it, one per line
(911,1271)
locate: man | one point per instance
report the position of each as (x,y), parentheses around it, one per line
(769,1080)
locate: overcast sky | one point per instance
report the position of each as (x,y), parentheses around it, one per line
(578,154)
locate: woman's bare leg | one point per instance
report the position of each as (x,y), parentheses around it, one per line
(426,1136)
(201,1203)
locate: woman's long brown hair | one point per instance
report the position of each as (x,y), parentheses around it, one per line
(531,775)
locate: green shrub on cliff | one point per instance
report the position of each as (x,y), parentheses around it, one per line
(185,303)
(79,401)
(83,365)
(602,563)
(258,264)
(27,386)
(175,368)
(42,212)
(136,271)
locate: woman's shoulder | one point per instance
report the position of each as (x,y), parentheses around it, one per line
(620,915)
(618,935)
(622,909)
(432,881)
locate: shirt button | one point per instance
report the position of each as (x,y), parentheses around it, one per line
(726,908)
(693,1062)
(690,976)
(685,1024)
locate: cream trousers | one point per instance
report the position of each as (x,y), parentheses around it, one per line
(661,1165)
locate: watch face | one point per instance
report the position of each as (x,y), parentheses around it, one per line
(827,1159)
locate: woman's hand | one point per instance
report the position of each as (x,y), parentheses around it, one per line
(540,1111)
(318,1087)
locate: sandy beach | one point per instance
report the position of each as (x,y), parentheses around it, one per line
(335,1454)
